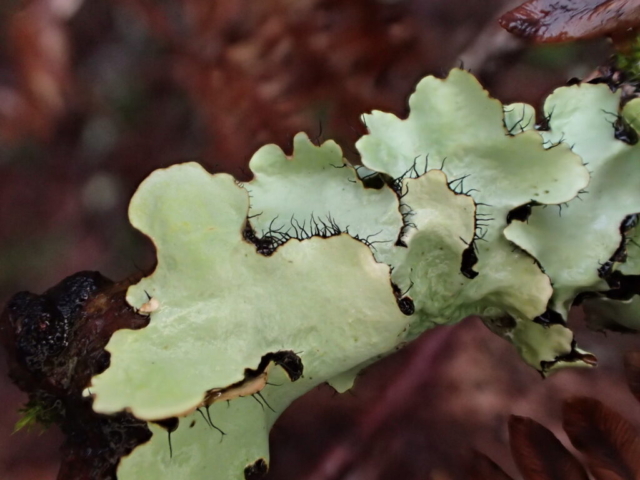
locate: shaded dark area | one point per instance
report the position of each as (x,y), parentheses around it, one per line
(96,95)
(632,369)
(290,362)
(483,468)
(54,344)
(523,212)
(548,318)
(257,470)
(469,259)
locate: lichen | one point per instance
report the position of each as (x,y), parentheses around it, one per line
(316,268)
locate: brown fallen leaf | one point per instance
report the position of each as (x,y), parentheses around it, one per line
(546,21)
(483,468)
(539,455)
(608,440)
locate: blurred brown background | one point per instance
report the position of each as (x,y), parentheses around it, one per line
(94,95)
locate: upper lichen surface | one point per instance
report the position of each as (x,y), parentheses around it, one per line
(440,228)
(455,126)
(306,258)
(222,306)
(199,452)
(316,191)
(574,243)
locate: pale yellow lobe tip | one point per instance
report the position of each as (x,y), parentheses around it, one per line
(151,306)
(248,386)
(244,389)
